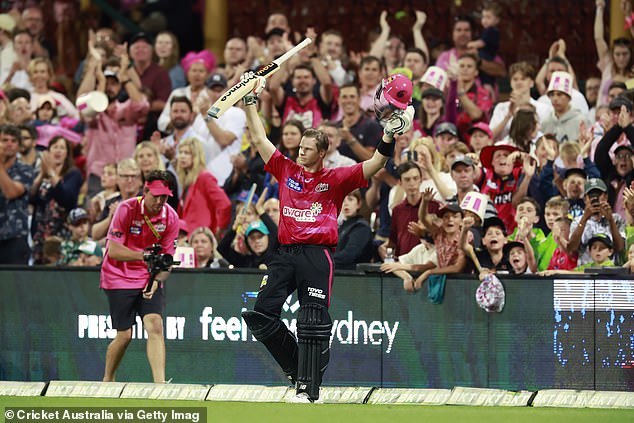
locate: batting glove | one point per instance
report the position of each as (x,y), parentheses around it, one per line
(260,82)
(400,122)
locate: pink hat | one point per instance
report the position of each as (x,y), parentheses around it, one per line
(204,56)
(560,81)
(481,126)
(158,188)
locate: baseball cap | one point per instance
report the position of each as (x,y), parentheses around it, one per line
(273,32)
(158,188)
(491,222)
(623,146)
(486,154)
(604,238)
(216,80)
(594,183)
(244,196)
(446,127)
(619,101)
(431,92)
(110,73)
(141,36)
(575,171)
(77,215)
(449,207)
(512,244)
(259,226)
(461,159)
(91,248)
(481,126)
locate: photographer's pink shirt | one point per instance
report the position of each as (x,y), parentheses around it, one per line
(129,228)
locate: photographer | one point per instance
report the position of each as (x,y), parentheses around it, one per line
(597,217)
(139,249)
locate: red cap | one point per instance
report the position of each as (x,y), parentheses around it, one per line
(481,126)
(158,188)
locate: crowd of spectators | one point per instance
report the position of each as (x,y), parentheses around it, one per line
(538,179)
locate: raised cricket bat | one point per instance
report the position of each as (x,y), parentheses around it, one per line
(235,93)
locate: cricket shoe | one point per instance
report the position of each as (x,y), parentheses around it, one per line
(301,398)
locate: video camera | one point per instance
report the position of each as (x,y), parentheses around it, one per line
(157,263)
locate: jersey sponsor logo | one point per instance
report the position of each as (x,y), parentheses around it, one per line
(135,230)
(322,187)
(503,198)
(303,215)
(115,233)
(160,227)
(137,222)
(316,292)
(293,184)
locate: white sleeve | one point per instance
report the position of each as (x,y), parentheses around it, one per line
(164,118)
(500,110)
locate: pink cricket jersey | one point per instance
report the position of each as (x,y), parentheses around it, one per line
(128,227)
(311,202)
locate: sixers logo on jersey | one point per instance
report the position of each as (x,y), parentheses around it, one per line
(293,184)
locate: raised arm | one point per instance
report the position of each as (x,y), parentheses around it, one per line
(258,136)
(599,37)
(379,44)
(417,32)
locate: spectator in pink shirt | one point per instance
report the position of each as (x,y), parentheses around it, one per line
(111,135)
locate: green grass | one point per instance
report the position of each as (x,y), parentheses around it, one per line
(234,412)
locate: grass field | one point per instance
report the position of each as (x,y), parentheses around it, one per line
(333,413)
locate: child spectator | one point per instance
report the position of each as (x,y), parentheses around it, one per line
(46,111)
(52,251)
(573,184)
(451,258)
(489,41)
(521,258)
(90,254)
(491,256)
(564,121)
(78,224)
(481,136)
(555,208)
(476,206)
(526,217)
(504,179)
(561,259)
(601,250)
(110,190)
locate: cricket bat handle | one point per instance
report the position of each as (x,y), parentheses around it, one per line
(469,249)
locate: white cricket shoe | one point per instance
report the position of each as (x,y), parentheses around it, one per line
(301,398)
